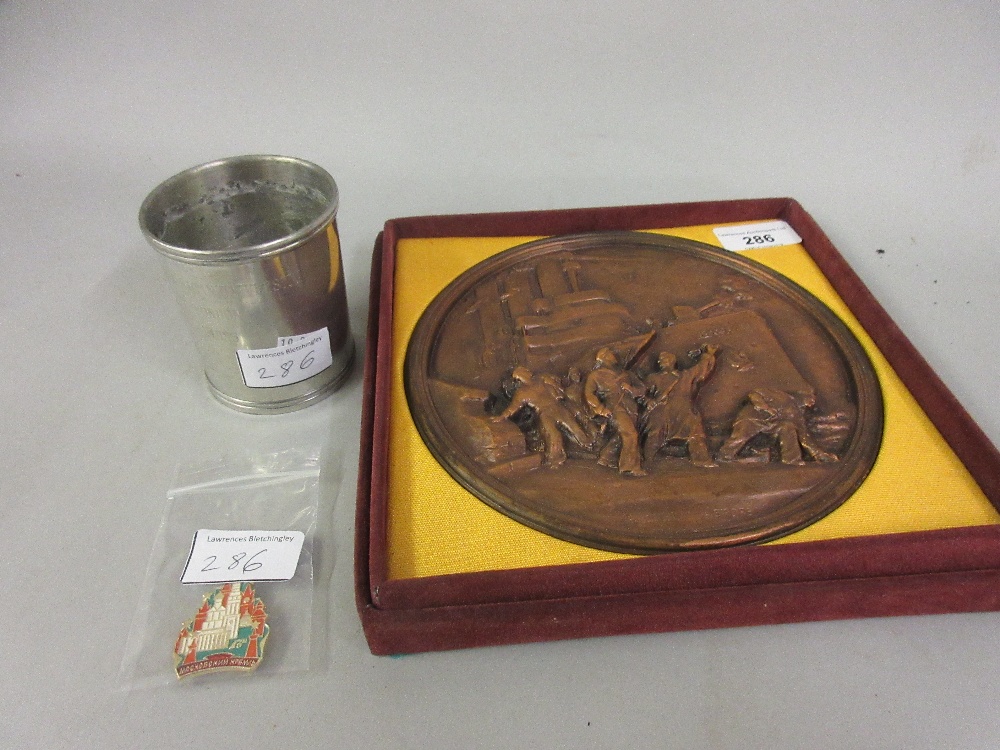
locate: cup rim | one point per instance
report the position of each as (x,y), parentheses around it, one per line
(159,200)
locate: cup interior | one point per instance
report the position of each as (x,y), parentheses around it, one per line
(249,205)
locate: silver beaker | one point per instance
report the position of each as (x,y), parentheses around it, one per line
(250,245)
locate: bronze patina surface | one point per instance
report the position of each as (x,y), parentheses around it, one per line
(641,393)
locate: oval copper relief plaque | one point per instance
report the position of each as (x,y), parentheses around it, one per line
(641,393)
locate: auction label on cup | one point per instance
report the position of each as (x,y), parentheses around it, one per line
(219,556)
(294,359)
(752,236)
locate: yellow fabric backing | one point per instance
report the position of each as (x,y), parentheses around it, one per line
(436,527)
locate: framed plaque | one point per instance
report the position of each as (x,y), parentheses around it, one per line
(783,453)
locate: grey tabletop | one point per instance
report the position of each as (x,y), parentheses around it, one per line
(880,118)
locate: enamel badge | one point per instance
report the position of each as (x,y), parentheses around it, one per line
(227,633)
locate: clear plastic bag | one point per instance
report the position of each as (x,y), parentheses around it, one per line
(273,492)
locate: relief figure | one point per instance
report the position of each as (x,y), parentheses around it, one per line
(613,399)
(672,413)
(576,402)
(538,394)
(780,415)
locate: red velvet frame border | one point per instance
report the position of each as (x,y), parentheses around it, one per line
(952,570)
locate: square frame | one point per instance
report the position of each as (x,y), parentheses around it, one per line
(925,572)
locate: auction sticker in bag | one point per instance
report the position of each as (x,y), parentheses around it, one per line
(294,359)
(219,556)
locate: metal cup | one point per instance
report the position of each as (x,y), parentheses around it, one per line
(251,248)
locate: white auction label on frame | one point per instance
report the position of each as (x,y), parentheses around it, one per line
(294,359)
(761,234)
(220,556)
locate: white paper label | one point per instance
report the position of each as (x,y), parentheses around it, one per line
(219,556)
(294,359)
(752,236)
